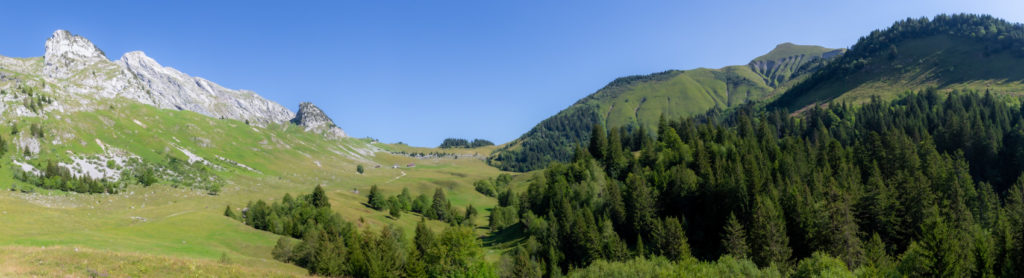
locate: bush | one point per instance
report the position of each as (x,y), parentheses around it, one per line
(283,249)
(821,265)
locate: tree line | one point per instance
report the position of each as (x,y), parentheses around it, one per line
(317,239)
(463,143)
(55,177)
(436,208)
(996,34)
(926,185)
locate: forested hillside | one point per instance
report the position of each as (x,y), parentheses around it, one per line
(637,102)
(959,51)
(925,185)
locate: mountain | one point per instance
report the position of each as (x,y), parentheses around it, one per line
(948,52)
(78,74)
(640,101)
(129,160)
(315,120)
(172,89)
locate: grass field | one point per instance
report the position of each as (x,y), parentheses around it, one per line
(941,61)
(170,228)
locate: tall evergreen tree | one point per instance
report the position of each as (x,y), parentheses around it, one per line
(376,199)
(319,198)
(675,246)
(735,239)
(771,244)
(440,207)
(598,142)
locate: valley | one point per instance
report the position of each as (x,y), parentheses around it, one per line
(900,156)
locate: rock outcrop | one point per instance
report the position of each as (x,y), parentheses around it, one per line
(315,120)
(79,75)
(172,89)
(67,54)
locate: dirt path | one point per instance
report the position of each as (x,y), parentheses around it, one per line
(396,178)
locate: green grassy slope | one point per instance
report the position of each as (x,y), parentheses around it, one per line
(170,226)
(640,101)
(947,52)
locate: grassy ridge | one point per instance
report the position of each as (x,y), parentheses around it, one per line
(640,101)
(187,223)
(946,52)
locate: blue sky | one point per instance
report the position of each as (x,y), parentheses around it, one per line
(421,71)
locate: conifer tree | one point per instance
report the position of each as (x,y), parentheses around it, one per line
(440,206)
(598,142)
(319,198)
(675,246)
(735,239)
(376,199)
(230,213)
(768,233)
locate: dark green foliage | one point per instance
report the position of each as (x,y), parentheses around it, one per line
(376,199)
(332,247)
(36,130)
(996,35)
(821,265)
(908,187)
(735,239)
(405,200)
(57,177)
(551,140)
(394,211)
(146,176)
(470,214)
(421,204)
(440,208)
(3,146)
(675,245)
(283,249)
(491,187)
(502,217)
(485,187)
(359,169)
(520,264)
(768,233)
(319,198)
(598,142)
(230,213)
(463,143)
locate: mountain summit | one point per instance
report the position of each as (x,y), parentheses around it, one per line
(67,54)
(172,89)
(315,120)
(78,75)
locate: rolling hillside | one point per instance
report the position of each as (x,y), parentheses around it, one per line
(947,52)
(76,148)
(639,102)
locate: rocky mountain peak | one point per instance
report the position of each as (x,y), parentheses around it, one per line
(172,89)
(138,58)
(314,119)
(67,53)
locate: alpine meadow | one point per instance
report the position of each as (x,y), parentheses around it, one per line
(898,156)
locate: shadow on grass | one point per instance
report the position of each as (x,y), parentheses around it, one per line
(507,237)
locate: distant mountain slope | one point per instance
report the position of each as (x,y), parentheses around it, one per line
(77,74)
(639,101)
(947,52)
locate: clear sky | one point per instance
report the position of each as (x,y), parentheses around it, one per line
(421,71)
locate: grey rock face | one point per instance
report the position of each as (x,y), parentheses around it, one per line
(67,54)
(172,89)
(315,120)
(79,73)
